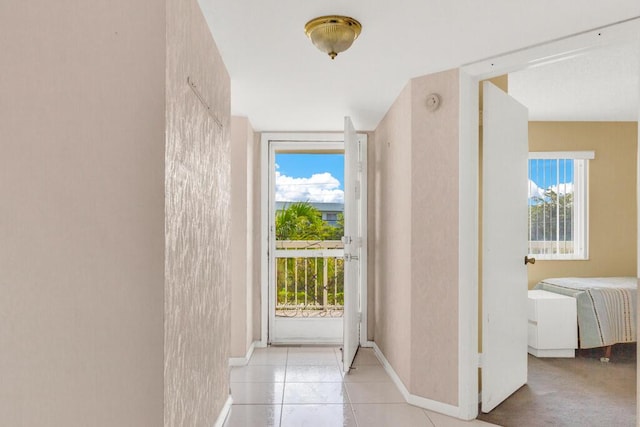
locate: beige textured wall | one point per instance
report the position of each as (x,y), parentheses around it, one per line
(371,227)
(257,244)
(81,218)
(434,239)
(390,184)
(612,195)
(242,137)
(197,206)
(413,180)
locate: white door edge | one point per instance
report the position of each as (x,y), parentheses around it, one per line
(354,212)
(362,138)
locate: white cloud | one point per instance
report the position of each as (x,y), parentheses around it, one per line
(565,188)
(320,187)
(535,191)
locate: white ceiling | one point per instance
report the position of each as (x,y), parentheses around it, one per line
(281,82)
(600,85)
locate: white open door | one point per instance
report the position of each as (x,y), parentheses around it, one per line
(352,244)
(504,278)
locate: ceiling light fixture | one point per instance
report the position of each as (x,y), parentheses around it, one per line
(333,34)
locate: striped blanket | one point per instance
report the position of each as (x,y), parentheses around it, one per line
(606,307)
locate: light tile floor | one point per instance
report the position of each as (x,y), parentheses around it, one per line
(304,386)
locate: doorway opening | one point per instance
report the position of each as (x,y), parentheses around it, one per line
(574,136)
(313,216)
(307,226)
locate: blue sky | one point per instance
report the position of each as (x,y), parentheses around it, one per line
(548,174)
(320,177)
(310,177)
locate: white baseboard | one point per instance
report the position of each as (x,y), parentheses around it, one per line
(558,352)
(309,342)
(243,361)
(368,344)
(431,405)
(224,413)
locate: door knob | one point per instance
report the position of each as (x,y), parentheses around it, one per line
(528,260)
(349,257)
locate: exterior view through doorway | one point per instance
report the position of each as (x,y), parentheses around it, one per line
(314,211)
(307,225)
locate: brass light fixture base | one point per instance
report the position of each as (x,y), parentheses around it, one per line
(333,34)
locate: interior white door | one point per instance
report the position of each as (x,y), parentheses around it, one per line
(504,278)
(352,244)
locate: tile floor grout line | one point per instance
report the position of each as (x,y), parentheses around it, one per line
(286,365)
(433,424)
(353,411)
(286,368)
(295,409)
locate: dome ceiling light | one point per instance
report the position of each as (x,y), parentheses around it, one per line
(333,34)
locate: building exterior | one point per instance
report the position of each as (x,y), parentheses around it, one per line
(330,211)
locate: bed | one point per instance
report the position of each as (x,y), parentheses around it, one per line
(606,307)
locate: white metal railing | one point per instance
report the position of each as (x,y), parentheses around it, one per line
(309,278)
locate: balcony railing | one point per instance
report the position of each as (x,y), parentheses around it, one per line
(309,278)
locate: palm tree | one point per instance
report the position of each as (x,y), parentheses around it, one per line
(299,221)
(302,221)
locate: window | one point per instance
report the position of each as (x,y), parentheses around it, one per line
(558,209)
(332,217)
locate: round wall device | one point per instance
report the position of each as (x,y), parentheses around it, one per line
(433,101)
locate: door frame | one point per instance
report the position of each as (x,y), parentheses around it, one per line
(469,77)
(316,140)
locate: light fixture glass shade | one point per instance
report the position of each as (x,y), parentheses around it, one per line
(333,34)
